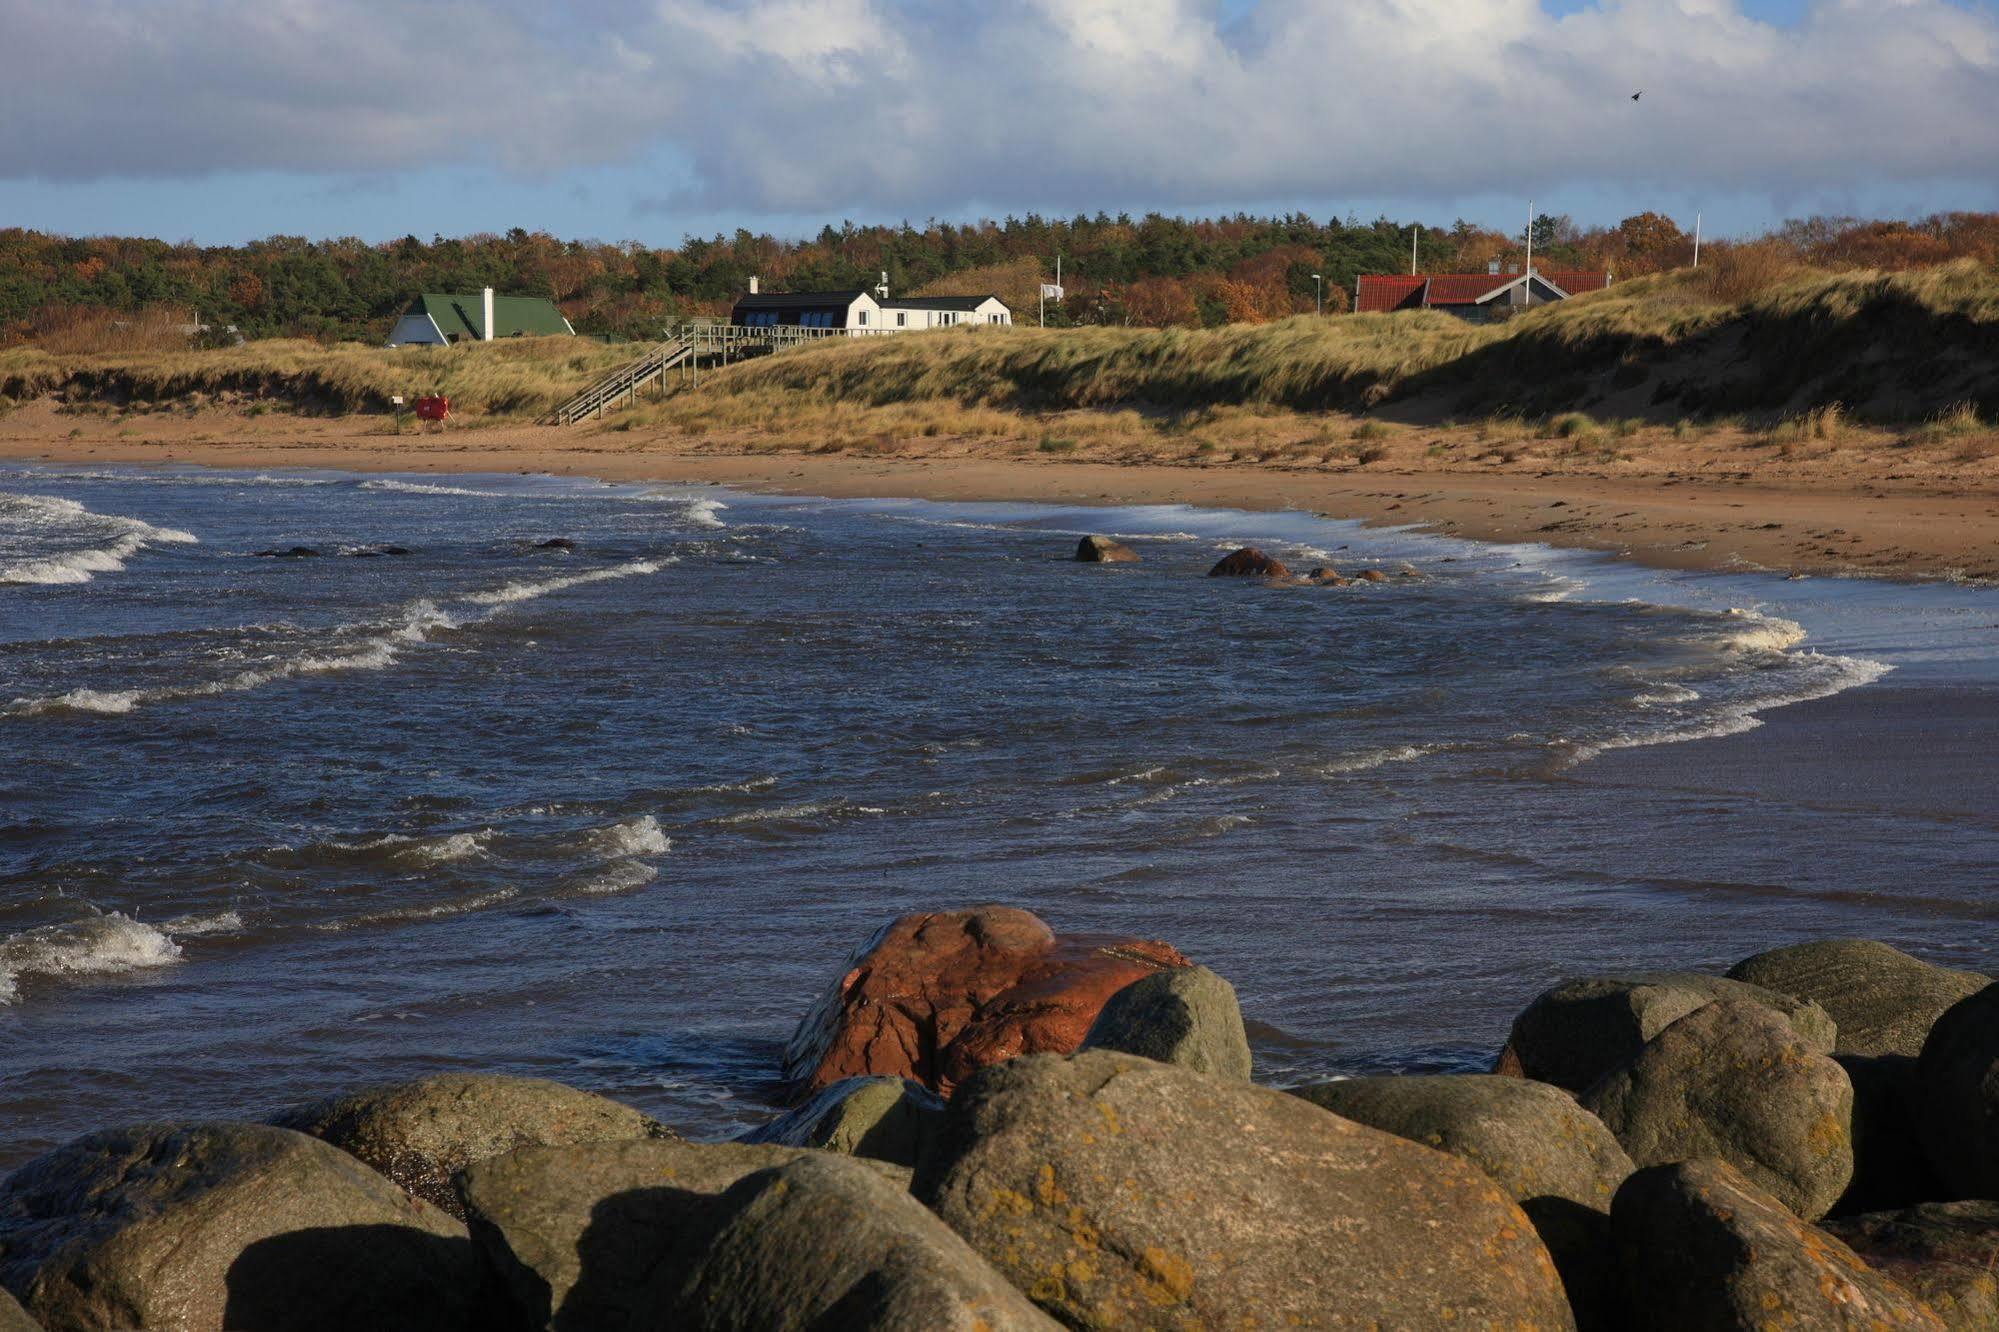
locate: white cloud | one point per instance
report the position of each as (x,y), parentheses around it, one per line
(877,107)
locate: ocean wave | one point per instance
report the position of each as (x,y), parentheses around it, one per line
(620,876)
(1753,631)
(806,809)
(530,590)
(94,946)
(409,915)
(1366,760)
(409,850)
(190,927)
(426,488)
(115,539)
(634,837)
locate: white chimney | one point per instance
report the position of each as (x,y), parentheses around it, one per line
(488,325)
(1493,268)
(753,284)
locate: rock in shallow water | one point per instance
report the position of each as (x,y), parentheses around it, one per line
(1187,1016)
(1103,550)
(936,996)
(423,1132)
(211,1226)
(1734,1082)
(1121,1192)
(887,1119)
(1249,562)
(1883,1000)
(1699,1246)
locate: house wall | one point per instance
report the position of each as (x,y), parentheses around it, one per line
(416,330)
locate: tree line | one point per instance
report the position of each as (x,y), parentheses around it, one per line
(1152,270)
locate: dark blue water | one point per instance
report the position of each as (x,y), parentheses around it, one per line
(270,827)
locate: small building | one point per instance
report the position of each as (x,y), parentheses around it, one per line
(1472,296)
(863,312)
(435,319)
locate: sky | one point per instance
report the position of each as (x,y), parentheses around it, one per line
(225,120)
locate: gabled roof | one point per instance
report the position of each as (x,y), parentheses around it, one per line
(1389,291)
(1397,291)
(940,302)
(462,315)
(795,300)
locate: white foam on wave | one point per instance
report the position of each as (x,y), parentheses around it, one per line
(93,946)
(806,809)
(430,911)
(529,590)
(189,927)
(621,876)
(423,850)
(43,518)
(1752,631)
(427,488)
(633,837)
(1367,760)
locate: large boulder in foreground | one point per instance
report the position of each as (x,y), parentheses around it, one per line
(888,1119)
(1883,1000)
(1890,1167)
(1103,550)
(1550,1155)
(1699,1246)
(938,995)
(1945,1253)
(575,1235)
(210,1226)
(1581,1029)
(1187,1016)
(1121,1192)
(1957,1080)
(823,1242)
(422,1133)
(1249,562)
(1735,1082)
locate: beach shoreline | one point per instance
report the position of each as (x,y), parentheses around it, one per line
(1661,513)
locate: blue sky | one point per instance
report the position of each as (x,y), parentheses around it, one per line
(224,120)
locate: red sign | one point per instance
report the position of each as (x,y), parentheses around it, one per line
(433,408)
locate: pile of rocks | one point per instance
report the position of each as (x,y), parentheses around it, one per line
(1248,562)
(1812,1141)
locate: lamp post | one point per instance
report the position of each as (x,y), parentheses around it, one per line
(1318,294)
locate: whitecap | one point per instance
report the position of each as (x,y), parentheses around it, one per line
(528,591)
(634,837)
(426,488)
(621,876)
(1366,760)
(423,850)
(188,927)
(94,946)
(42,519)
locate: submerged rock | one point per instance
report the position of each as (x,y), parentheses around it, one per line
(822,1242)
(421,1133)
(1120,1192)
(1552,1157)
(1945,1253)
(212,1226)
(374,552)
(936,996)
(1958,1082)
(1699,1246)
(289,553)
(888,1119)
(1734,1082)
(1883,1000)
(1371,576)
(555,543)
(1576,1032)
(1249,562)
(1187,1016)
(1103,550)
(1327,577)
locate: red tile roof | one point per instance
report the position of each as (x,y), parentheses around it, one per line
(1379,292)
(1400,291)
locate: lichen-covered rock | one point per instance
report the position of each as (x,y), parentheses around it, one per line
(421,1133)
(1699,1246)
(1186,1016)
(1103,550)
(823,1242)
(1578,1031)
(1883,1001)
(1945,1253)
(1890,1167)
(1734,1082)
(1958,1082)
(212,1226)
(1553,1157)
(888,1119)
(576,1234)
(1121,1192)
(1249,562)
(936,996)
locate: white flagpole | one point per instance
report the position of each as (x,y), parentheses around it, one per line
(1530,252)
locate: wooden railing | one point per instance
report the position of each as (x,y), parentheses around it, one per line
(684,345)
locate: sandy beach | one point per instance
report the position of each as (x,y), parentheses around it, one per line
(1714,503)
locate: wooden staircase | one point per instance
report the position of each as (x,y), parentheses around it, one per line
(623,385)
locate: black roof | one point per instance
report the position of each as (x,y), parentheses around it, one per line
(939,302)
(784,300)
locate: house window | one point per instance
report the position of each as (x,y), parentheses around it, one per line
(901,319)
(861,318)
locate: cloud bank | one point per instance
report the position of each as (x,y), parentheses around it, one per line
(928,106)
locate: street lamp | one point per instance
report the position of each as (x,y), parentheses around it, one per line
(1318,294)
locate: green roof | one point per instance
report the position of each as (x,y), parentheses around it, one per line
(513,316)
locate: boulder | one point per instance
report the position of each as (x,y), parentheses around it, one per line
(1187,1016)
(1103,550)
(574,1235)
(1734,1082)
(210,1226)
(1550,1155)
(1947,1254)
(1327,578)
(1883,1000)
(422,1133)
(888,1119)
(1958,1081)
(821,1243)
(1581,1029)
(1249,562)
(1121,1192)
(1890,1168)
(13,1318)
(1371,576)
(1699,1246)
(936,996)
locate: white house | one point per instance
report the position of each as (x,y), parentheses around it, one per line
(862,312)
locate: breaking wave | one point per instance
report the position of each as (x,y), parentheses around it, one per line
(425,488)
(634,837)
(94,946)
(34,520)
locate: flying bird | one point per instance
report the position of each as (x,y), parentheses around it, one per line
(1640,93)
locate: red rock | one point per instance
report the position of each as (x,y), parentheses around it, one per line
(936,996)
(1249,562)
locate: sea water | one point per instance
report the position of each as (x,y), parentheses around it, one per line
(615,813)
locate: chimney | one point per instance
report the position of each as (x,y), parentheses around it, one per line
(487,327)
(1492,269)
(753,284)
